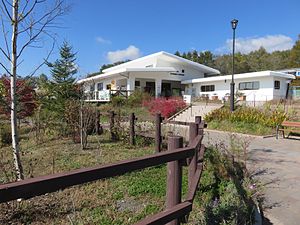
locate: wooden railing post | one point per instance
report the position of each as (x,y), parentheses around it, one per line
(193,132)
(198,119)
(113,135)
(131,131)
(174,177)
(158,121)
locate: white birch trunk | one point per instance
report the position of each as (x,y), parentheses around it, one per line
(13,78)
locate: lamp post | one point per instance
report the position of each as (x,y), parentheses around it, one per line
(234,23)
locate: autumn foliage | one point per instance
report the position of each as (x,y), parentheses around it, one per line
(166,106)
(25,98)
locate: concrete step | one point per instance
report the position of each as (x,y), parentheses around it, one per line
(195,110)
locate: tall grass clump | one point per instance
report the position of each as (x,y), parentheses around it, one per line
(266,116)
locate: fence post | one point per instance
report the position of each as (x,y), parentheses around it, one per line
(200,122)
(158,121)
(113,135)
(198,119)
(131,131)
(193,132)
(174,177)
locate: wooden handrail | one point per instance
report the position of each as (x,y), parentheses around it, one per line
(176,157)
(45,184)
(168,215)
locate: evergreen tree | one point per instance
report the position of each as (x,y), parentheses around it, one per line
(295,54)
(177,53)
(62,86)
(195,56)
(259,60)
(206,58)
(189,56)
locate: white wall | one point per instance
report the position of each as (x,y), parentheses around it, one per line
(189,71)
(265,92)
(280,93)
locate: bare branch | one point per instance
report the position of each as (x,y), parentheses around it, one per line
(4,67)
(9,3)
(44,61)
(5,38)
(4,53)
(58,7)
(49,17)
(6,10)
(28,12)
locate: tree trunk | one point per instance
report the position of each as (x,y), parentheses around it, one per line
(13,77)
(81,124)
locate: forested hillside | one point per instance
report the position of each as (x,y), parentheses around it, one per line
(254,61)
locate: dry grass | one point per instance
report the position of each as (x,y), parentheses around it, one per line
(109,201)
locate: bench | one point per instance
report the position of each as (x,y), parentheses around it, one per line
(287,126)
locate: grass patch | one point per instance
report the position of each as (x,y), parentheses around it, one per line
(223,196)
(140,112)
(241,127)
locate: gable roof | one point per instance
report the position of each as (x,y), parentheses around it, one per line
(165,55)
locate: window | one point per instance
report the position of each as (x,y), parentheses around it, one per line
(137,83)
(277,84)
(207,88)
(92,87)
(99,86)
(108,87)
(249,85)
(182,71)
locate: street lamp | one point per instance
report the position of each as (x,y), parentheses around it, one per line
(234,23)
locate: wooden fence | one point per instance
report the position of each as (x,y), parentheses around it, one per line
(157,134)
(176,157)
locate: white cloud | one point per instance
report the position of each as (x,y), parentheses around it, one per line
(270,42)
(101,40)
(130,53)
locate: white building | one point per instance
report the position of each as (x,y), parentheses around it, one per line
(255,86)
(165,74)
(160,74)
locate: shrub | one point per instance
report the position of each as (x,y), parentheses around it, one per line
(137,98)
(226,187)
(118,101)
(267,117)
(5,135)
(167,107)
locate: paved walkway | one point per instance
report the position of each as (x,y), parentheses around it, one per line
(277,165)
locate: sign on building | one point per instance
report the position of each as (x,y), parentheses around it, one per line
(187,99)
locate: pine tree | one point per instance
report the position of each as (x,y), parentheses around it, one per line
(189,56)
(195,56)
(177,53)
(62,86)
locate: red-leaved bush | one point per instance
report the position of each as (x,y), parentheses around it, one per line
(167,107)
(25,98)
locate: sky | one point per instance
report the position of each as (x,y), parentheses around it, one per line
(103,32)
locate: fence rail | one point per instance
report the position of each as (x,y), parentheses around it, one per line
(176,157)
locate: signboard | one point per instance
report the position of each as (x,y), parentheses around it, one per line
(187,99)
(104,95)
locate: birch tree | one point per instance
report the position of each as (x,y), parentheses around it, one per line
(28,23)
